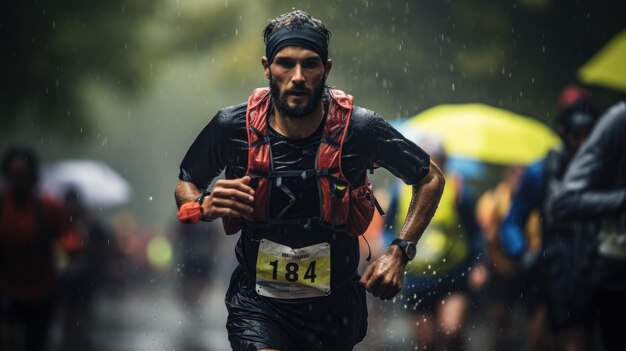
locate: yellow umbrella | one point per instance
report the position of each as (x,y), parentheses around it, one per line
(608,67)
(486,133)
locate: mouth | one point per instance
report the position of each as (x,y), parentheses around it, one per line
(297,93)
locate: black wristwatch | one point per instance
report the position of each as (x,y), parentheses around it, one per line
(408,247)
(199,200)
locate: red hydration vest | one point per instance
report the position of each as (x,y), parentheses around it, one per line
(341,205)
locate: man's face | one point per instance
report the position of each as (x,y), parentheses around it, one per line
(297,76)
(575,138)
(20,177)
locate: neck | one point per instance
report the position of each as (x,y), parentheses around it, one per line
(297,128)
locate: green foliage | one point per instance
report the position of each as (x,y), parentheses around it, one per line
(52,47)
(397,57)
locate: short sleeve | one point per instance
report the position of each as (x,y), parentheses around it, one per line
(215,148)
(386,147)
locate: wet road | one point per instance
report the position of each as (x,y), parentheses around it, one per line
(155,319)
(151,316)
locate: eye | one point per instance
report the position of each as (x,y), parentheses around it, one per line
(308,64)
(284,63)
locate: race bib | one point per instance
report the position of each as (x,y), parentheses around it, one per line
(286,273)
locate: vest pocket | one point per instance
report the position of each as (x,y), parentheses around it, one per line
(361,209)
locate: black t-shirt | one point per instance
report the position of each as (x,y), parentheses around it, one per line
(370,140)
(223,144)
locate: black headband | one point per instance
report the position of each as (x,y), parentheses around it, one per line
(304,37)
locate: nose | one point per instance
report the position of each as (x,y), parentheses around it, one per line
(298,76)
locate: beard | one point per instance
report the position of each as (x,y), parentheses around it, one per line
(300,111)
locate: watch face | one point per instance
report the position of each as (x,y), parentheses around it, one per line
(410,250)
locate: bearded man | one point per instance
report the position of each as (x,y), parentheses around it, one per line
(295,158)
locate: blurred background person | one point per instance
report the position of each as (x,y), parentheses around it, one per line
(594,187)
(556,275)
(81,273)
(448,259)
(31,226)
(505,289)
(197,253)
(203,263)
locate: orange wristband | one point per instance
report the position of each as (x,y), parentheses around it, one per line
(190,213)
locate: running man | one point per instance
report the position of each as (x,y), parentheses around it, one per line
(296,157)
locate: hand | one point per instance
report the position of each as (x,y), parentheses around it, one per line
(229,198)
(383,277)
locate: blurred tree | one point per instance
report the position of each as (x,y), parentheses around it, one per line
(397,57)
(402,57)
(51,47)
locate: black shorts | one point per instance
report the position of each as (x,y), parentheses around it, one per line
(334,322)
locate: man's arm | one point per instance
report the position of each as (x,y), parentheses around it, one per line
(383,278)
(186,192)
(229,197)
(588,188)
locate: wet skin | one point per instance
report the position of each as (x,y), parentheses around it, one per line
(297,76)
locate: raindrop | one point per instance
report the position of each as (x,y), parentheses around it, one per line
(150,198)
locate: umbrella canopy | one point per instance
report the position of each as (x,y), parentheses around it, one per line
(96,183)
(485,133)
(607,68)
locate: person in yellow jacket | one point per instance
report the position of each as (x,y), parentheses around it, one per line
(448,259)
(506,286)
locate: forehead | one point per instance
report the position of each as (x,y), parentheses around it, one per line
(296,53)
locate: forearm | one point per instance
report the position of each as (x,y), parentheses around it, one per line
(589,204)
(424,202)
(383,278)
(186,192)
